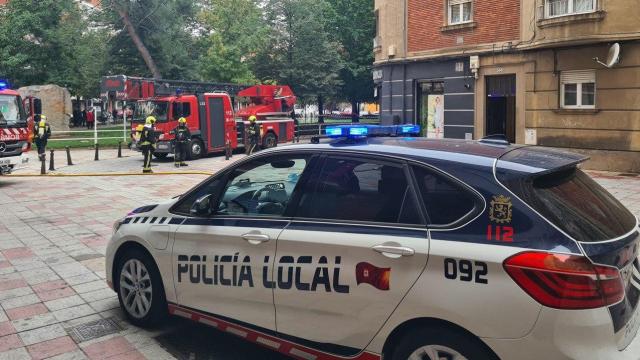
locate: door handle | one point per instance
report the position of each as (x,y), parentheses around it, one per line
(394,251)
(256,239)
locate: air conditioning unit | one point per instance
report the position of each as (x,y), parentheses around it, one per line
(391,51)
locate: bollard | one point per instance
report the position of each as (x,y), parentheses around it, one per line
(226,151)
(119,149)
(96,158)
(51,165)
(69,162)
(43,165)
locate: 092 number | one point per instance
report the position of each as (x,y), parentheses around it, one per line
(466,271)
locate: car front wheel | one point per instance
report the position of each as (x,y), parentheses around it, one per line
(444,343)
(140,289)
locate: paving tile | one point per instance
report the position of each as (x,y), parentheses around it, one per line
(56,294)
(98,295)
(10,342)
(13,293)
(12,284)
(15,354)
(50,285)
(47,349)
(108,348)
(26,311)
(4,264)
(3,316)
(105,304)
(74,355)
(19,301)
(6,328)
(16,253)
(42,334)
(64,303)
(34,322)
(91,286)
(73,312)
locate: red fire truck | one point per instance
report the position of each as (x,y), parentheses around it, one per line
(16,128)
(209,110)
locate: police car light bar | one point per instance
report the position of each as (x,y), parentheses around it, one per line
(362,131)
(4,84)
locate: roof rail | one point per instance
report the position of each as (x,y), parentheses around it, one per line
(497,139)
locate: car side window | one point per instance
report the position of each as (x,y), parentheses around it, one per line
(445,200)
(360,190)
(209,188)
(262,187)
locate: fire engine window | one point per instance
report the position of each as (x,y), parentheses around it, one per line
(365,191)
(446,201)
(181,110)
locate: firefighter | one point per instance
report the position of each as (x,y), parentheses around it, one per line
(42,132)
(148,143)
(183,135)
(254,134)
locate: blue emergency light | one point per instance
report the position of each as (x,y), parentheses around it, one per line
(363,131)
(4,84)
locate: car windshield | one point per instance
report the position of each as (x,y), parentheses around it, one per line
(158,109)
(575,203)
(10,110)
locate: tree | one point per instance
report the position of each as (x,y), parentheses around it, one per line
(234,32)
(300,51)
(354,25)
(49,41)
(151,37)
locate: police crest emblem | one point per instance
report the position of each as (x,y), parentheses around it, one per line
(501,209)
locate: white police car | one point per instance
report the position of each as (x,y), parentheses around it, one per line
(393,247)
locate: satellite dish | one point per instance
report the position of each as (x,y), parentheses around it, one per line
(614,57)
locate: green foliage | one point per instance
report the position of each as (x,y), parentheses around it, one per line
(301,50)
(354,25)
(165,27)
(48,41)
(234,32)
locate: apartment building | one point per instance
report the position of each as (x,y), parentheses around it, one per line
(523,68)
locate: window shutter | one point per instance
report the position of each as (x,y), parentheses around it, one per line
(578,77)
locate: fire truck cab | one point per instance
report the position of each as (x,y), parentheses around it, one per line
(16,127)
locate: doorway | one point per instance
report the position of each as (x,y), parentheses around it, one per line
(501,106)
(430,108)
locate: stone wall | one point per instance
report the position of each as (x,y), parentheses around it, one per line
(56,103)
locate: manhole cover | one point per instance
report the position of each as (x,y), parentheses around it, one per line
(94,330)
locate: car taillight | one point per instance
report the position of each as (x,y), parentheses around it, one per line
(565,281)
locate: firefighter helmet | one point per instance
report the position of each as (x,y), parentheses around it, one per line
(151,120)
(252,118)
(182,120)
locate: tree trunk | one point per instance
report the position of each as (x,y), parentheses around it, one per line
(320,109)
(355,112)
(144,52)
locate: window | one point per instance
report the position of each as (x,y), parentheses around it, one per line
(459,11)
(578,89)
(262,187)
(360,190)
(11,111)
(181,110)
(446,202)
(575,203)
(569,7)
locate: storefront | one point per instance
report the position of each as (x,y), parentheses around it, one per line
(437,95)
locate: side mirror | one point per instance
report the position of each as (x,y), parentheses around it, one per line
(202,206)
(37,106)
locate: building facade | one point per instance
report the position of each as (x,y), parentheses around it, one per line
(522,68)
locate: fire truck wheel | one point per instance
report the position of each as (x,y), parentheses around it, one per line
(160,156)
(270,141)
(196,149)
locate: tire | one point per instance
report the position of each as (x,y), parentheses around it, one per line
(270,141)
(441,343)
(139,312)
(196,149)
(160,156)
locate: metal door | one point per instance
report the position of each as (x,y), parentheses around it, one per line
(215,106)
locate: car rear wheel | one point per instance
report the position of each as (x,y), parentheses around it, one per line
(196,149)
(443,343)
(140,290)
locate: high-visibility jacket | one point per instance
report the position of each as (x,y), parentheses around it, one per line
(148,136)
(42,131)
(182,133)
